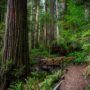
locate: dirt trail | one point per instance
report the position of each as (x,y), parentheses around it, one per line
(74,80)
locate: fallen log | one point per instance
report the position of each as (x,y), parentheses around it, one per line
(56,61)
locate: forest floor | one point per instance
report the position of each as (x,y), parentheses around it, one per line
(74,79)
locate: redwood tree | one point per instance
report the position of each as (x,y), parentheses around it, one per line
(16,39)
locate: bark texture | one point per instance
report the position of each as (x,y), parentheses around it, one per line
(16,38)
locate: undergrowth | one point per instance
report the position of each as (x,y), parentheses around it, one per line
(47,83)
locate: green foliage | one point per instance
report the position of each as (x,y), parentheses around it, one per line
(2,27)
(71,26)
(39,75)
(78,2)
(6,66)
(36,54)
(17,72)
(34,82)
(75,13)
(67,37)
(39,53)
(45,17)
(74,30)
(16,86)
(49,82)
(80,57)
(42,51)
(85,40)
(31,84)
(87,59)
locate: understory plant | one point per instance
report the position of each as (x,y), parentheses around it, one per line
(34,83)
(49,82)
(79,57)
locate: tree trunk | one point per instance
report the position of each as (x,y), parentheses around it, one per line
(87,12)
(36,26)
(52,24)
(57,28)
(45,24)
(16,39)
(48,28)
(36,22)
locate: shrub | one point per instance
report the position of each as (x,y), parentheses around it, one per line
(16,86)
(80,57)
(85,40)
(34,83)
(49,82)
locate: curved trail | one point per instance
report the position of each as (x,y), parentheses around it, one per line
(74,80)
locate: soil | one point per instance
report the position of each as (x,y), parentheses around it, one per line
(74,79)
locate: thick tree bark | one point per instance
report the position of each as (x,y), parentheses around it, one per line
(16,39)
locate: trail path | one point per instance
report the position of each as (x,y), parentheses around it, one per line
(74,80)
